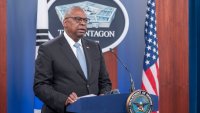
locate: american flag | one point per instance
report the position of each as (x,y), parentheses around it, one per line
(150,76)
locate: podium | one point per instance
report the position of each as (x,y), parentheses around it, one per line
(115,103)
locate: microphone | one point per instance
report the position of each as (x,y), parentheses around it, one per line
(132,88)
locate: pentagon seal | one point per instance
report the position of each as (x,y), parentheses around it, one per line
(139,101)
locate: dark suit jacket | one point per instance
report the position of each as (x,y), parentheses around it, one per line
(58,73)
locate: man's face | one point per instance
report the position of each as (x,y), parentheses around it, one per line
(75,24)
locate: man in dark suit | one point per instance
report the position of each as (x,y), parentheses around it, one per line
(60,77)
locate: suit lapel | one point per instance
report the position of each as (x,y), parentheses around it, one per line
(65,47)
(86,49)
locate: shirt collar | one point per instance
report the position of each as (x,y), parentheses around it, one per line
(70,40)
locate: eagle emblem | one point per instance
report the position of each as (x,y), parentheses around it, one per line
(139,102)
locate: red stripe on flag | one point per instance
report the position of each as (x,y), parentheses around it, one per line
(157,68)
(143,87)
(150,77)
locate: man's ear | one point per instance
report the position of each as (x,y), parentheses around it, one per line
(64,23)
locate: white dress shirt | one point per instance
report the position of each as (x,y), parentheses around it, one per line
(72,42)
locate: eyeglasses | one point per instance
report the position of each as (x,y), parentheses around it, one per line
(79,19)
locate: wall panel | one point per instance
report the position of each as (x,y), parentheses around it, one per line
(111,64)
(3,57)
(172,29)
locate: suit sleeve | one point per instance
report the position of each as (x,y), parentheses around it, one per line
(43,85)
(104,80)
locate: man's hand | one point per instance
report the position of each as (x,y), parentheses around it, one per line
(71,98)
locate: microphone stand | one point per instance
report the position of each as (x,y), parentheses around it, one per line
(132,88)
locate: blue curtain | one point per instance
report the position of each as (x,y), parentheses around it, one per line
(21,34)
(194,34)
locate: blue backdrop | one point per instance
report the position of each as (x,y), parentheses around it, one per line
(21,34)
(131,50)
